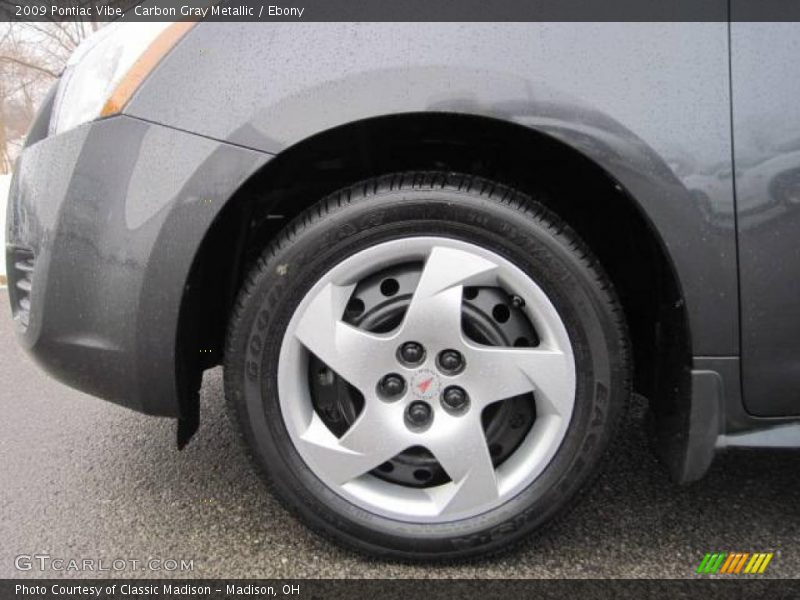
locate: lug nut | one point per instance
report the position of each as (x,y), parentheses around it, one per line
(419,414)
(392,385)
(451,361)
(412,353)
(455,398)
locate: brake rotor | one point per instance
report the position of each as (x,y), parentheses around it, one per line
(490,316)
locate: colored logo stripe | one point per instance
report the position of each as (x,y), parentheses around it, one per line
(758,563)
(740,564)
(711,562)
(732,563)
(732,557)
(735,562)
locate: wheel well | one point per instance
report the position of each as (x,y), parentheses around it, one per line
(574,187)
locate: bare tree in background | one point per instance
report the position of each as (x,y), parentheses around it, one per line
(32,55)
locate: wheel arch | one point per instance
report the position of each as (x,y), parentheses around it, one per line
(602,184)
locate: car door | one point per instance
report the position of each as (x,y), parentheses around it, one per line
(765,77)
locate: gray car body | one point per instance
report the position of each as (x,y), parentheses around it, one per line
(116,211)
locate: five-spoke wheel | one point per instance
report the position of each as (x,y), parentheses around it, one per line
(425,383)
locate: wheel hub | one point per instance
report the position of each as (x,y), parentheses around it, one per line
(426,385)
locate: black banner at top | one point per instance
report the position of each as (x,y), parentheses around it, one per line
(399,10)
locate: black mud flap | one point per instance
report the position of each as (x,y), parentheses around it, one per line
(686,439)
(187,428)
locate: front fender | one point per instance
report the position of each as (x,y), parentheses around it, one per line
(110,216)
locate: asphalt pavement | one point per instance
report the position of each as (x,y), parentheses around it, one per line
(82,478)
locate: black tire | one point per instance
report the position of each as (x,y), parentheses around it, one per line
(395,206)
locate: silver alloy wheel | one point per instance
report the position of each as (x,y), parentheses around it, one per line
(382,429)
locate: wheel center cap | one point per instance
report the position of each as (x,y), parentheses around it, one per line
(425,385)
